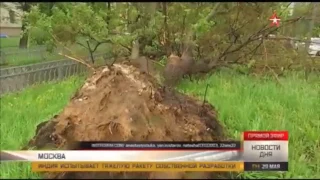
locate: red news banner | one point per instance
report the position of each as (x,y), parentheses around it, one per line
(265,150)
(266,136)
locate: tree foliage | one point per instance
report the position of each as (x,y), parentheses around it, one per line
(220,32)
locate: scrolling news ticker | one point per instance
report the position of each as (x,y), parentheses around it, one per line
(258,151)
(265,150)
(229,145)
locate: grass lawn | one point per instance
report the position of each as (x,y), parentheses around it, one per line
(9,42)
(243,103)
(23,57)
(13,56)
(248,103)
(21,112)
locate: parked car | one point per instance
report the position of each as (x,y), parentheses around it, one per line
(3,36)
(314,48)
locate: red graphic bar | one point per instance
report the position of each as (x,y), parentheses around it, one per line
(265,136)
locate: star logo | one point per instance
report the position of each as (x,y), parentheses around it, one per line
(275,20)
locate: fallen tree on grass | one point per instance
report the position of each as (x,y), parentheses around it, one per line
(119,103)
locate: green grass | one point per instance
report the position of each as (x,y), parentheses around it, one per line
(13,56)
(28,58)
(249,103)
(21,112)
(19,57)
(9,42)
(243,103)
(12,43)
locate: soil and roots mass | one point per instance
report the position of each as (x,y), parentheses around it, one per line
(121,103)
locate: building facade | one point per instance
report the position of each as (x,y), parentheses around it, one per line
(10,21)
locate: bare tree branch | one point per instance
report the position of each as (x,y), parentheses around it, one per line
(79,43)
(74,58)
(255,36)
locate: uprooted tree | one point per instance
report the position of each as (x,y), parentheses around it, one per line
(119,103)
(220,33)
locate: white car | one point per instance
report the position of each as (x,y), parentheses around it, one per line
(314,48)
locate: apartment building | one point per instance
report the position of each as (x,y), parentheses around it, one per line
(10,19)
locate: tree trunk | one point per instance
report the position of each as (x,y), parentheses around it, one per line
(311,26)
(25,36)
(135,51)
(108,15)
(91,52)
(23,43)
(166,34)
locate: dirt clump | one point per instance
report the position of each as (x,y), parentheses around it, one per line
(173,71)
(187,63)
(123,104)
(184,66)
(144,64)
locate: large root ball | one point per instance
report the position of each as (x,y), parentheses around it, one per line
(123,104)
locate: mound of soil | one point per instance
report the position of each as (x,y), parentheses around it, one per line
(123,104)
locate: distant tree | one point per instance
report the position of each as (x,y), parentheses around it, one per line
(25,7)
(70,23)
(12,16)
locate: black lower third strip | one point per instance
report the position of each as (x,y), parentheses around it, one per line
(266,166)
(234,145)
